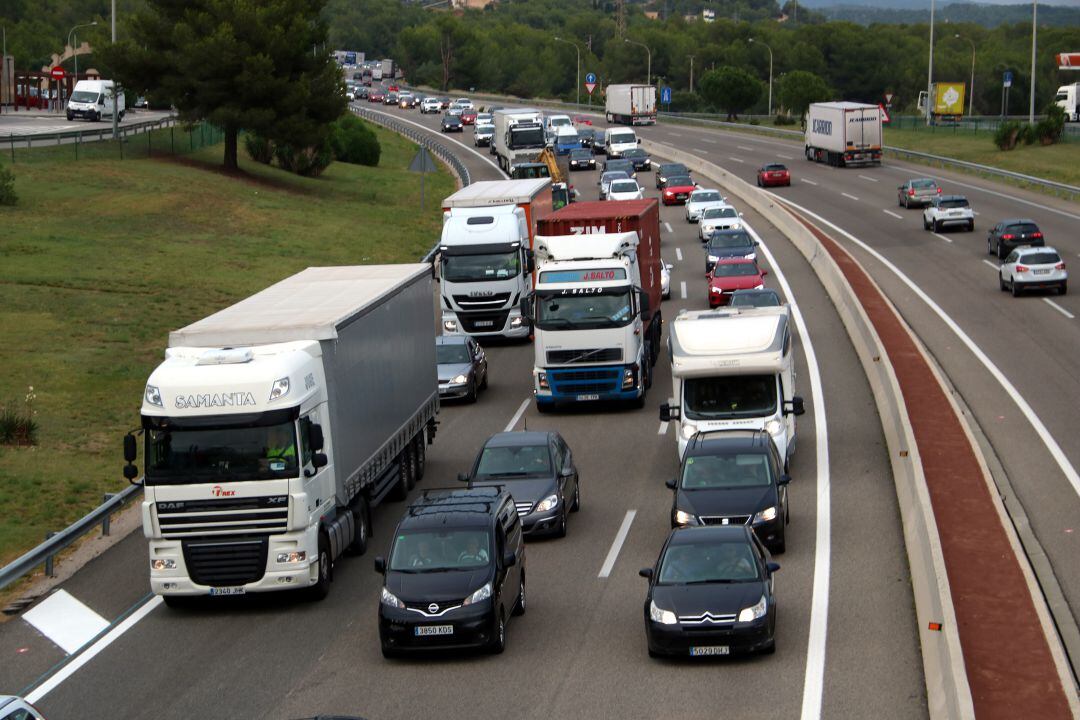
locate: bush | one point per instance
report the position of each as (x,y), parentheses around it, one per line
(1005,137)
(1027,134)
(784,120)
(353,141)
(17,428)
(259,148)
(1050,128)
(685,102)
(309,161)
(7,187)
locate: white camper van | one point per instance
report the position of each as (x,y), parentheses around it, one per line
(93,100)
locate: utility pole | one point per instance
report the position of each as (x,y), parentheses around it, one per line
(770,71)
(691,73)
(930,71)
(113,16)
(578,51)
(1034,27)
(971,90)
(620,19)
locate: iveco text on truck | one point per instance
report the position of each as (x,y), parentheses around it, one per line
(274,426)
(485,255)
(732,369)
(630,104)
(519,136)
(843,133)
(596,305)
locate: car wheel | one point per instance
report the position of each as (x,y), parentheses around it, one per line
(576,505)
(321,589)
(971,226)
(989,247)
(925,223)
(471,395)
(484,383)
(937,226)
(175,602)
(498,640)
(519,606)
(1064,289)
(1000,252)
(780,547)
(560,529)
(1001,282)
(770,648)
(1015,288)
(390,653)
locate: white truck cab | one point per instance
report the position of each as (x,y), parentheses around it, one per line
(732,369)
(1068,99)
(93,100)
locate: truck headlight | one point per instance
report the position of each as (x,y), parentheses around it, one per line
(688,430)
(712,258)
(482,593)
(542,381)
(664,617)
(163,564)
(295,556)
(754,612)
(389,598)
(279,389)
(629,377)
(684,518)
(766,515)
(773,427)
(548,503)
(153,396)
(517,322)
(459,380)
(450,325)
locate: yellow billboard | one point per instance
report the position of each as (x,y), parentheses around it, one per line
(949,98)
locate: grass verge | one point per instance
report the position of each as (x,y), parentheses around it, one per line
(101,258)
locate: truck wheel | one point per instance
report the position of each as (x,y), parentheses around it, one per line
(321,589)
(400,490)
(362,521)
(421,454)
(410,464)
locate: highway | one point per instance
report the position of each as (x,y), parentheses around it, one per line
(580,650)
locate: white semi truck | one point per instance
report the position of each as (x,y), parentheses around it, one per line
(274,426)
(843,134)
(1068,99)
(732,369)
(630,104)
(519,137)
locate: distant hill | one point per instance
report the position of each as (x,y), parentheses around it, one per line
(915,11)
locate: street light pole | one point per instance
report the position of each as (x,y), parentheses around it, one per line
(971,89)
(648,72)
(770,72)
(578,51)
(691,73)
(112,16)
(930,71)
(74,49)
(1034,27)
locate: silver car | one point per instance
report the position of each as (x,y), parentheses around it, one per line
(1033,268)
(483,135)
(462,366)
(607,177)
(917,192)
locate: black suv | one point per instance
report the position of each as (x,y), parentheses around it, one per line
(1008,235)
(455,573)
(733,477)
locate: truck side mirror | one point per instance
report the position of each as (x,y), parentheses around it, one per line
(639,141)
(131,472)
(797,406)
(530,261)
(643,301)
(527,307)
(668,413)
(130,449)
(320,460)
(315,436)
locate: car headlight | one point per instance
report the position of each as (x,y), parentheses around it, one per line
(668,193)
(735,226)
(482,594)
(689,429)
(713,258)
(389,598)
(684,518)
(295,556)
(773,427)
(716,290)
(759,287)
(753,613)
(664,617)
(548,503)
(459,380)
(766,515)
(450,325)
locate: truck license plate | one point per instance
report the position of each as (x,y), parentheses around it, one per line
(588,397)
(484,323)
(434,630)
(239,590)
(710,650)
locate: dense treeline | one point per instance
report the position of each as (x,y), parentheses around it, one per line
(986,15)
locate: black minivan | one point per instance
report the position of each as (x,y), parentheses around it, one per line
(455,573)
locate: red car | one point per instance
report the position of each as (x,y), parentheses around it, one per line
(773,174)
(468,117)
(581,120)
(677,189)
(731,274)
(376,97)
(392,88)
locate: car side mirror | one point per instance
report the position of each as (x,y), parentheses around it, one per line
(671,484)
(566,472)
(380,565)
(670,266)
(645,572)
(784,479)
(797,406)
(773,567)
(130,448)
(509,559)
(315,435)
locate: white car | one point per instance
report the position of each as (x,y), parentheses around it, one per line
(718,217)
(463,103)
(483,135)
(430,105)
(948,210)
(625,190)
(609,176)
(1033,268)
(665,279)
(699,200)
(15,708)
(485,118)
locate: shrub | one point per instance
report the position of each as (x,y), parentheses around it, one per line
(782,119)
(259,148)
(309,161)
(1006,135)
(1050,128)
(7,187)
(685,102)
(1027,134)
(19,427)
(353,141)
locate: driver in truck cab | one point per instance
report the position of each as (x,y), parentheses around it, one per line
(281,448)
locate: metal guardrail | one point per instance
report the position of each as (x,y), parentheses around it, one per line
(417,136)
(45,553)
(29,140)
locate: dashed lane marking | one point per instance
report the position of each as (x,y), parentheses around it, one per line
(678,254)
(852,197)
(895,215)
(616,545)
(1060,309)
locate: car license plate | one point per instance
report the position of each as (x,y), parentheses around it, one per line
(680,196)
(1043,272)
(239,590)
(588,397)
(434,630)
(484,323)
(710,650)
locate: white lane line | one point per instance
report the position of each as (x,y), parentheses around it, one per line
(814,680)
(678,254)
(1060,309)
(682,289)
(665,142)
(743,147)
(786,157)
(616,546)
(674,134)
(808,182)
(87,655)
(668,226)
(992,265)
(709,140)
(1041,431)
(867,177)
(66,621)
(663,427)
(517,416)
(895,215)
(738,160)
(852,197)
(942,237)
(443,136)
(701,150)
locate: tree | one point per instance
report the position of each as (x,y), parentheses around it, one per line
(240,65)
(796,90)
(731,89)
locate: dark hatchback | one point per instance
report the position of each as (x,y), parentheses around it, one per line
(452,123)
(711,594)
(724,244)
(455,574)
(639,157)
(733,477)
(581,159)
(462,367)
(587,136)
(538,469)
(1008,235)
(624,164)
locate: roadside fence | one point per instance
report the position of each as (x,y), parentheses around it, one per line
(153,138)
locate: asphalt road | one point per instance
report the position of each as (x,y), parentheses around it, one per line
(580,651)
(36,122)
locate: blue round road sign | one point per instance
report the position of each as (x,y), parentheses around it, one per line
(590,78)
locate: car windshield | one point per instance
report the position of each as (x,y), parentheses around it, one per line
(451,120)
(679,180)
(634,153)
(440,550)
(622,138)
(568,137)
(957,203)
(451,353)
(232,448)
(1023,228)
(755,298)
(721,270)
(737,470)
(1039,258)
(709,196)
(729,396)
(705,562)
(480,268)
(730,240)
(623,186)
(614,175)
(584,308)
(560,122)
(581,154)
(514,461)
(82,96)
(485,129)
(719,212)
(923,184)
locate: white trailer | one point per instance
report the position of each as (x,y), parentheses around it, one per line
(630,104)
(732,369)
(843,134)
(274,426)
(519,136)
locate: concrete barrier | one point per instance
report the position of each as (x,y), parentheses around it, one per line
(948,693)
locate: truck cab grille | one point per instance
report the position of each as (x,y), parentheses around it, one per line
(226,562)
(487,302)
(570,357)
(231,516)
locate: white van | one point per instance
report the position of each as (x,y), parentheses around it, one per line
(93,100)
(618,140)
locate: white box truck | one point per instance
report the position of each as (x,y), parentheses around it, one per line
(630,104)
(519,136)
(93,100)
(274,426)
(732,369)
(485,255)
(843,133)
(1068,99)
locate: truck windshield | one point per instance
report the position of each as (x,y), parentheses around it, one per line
(440,550)
(584,309)
(82,96)
(478,268)
(526,138)
(247,450)
(729,396)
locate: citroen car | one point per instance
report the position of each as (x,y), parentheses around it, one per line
(462,367)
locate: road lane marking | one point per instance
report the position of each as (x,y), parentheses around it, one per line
(895,215)
(668,226)
(91,652)
(942,237)
(701,150)
(66,621)
(682,289)
(786,157)
(1036,422)
(663,427)
(517,416)
(616,546)
(808,182)
(738,160)
(1060,309)
(867,177)
(674,134)
(678,254)
(992,265)
(849,196)
(709,140)
(665,142)
(743,147)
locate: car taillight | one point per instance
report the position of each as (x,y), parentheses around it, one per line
(1060,266)
(1007,237)
(1021,268)
(1036,235)
(911,192)
(939,191)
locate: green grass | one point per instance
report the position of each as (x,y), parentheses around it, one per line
(102,257)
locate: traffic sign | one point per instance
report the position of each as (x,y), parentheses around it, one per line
(884,114)
(57,73)
(590,82)
(888,98)
(1068,61)
(1006,79)
(665,95)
